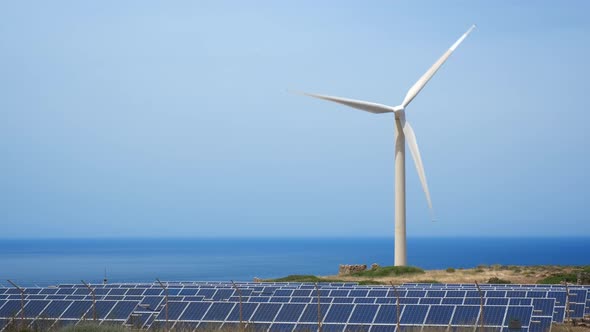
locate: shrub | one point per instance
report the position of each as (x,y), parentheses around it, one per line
(450,270)
(371,282)
(558,278)
(431,281)
(386,271)
(91,327)
(496,280)
(301,278)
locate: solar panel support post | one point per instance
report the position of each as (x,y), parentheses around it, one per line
(94,316)
(567,302)
(319,308)
(396,306)
(239,291)
(165,303)
(22,303)
(481,317)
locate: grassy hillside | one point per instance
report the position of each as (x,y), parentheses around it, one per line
(497,274)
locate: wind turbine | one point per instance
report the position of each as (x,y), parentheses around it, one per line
(403,133)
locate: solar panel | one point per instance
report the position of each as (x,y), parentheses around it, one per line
(266,312)
(333,327)
(543,307)
(293,306)
(175,309)
(9,308)
(559,314)
(521,314)
(493,315)
(363,313)
(339,293)
(247,311)
(55,308)
(280,299)
(414,314)
(339,313)
(497,301)
(365,300)
(540,324)
(122,310)
(465,315)
(440,315)
(282,327)
(77,310)
(35,307)
(358,327)
(290,312)
(310,314)
(218,311)
(452,300)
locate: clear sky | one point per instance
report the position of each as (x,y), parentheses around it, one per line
(173,118)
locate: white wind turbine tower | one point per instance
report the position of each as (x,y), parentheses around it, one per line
(403,132)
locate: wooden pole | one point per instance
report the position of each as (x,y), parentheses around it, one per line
(567,302)
(94,315)
(166,303)
(481,317)
(22,303)
(396,305)
(319,308)
(241,312)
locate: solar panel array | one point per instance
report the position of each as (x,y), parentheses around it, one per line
(294,306)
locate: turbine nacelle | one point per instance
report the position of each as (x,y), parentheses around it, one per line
(399,112)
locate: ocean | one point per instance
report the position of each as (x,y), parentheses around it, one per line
(51,261)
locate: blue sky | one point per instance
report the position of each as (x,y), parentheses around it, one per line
(144,118)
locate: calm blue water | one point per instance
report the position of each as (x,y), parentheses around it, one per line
(52,261)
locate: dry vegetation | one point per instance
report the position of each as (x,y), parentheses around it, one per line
(482,274)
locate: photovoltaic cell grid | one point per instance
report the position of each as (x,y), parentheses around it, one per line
(291,306)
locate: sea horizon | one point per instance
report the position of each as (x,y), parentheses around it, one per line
(125,259)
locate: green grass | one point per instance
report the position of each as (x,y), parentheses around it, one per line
(571,277)
(394,271)
(388,271)
(558,278)
(253,328)
(89,327)
(429,281)
(372,282)
(312,278)
(302,278)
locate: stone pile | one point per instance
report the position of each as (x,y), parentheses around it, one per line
(345,269)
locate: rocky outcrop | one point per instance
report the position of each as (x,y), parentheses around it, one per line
(350,269)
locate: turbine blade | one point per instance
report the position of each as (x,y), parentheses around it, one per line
(419,85)
(358,104)
(413,145)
